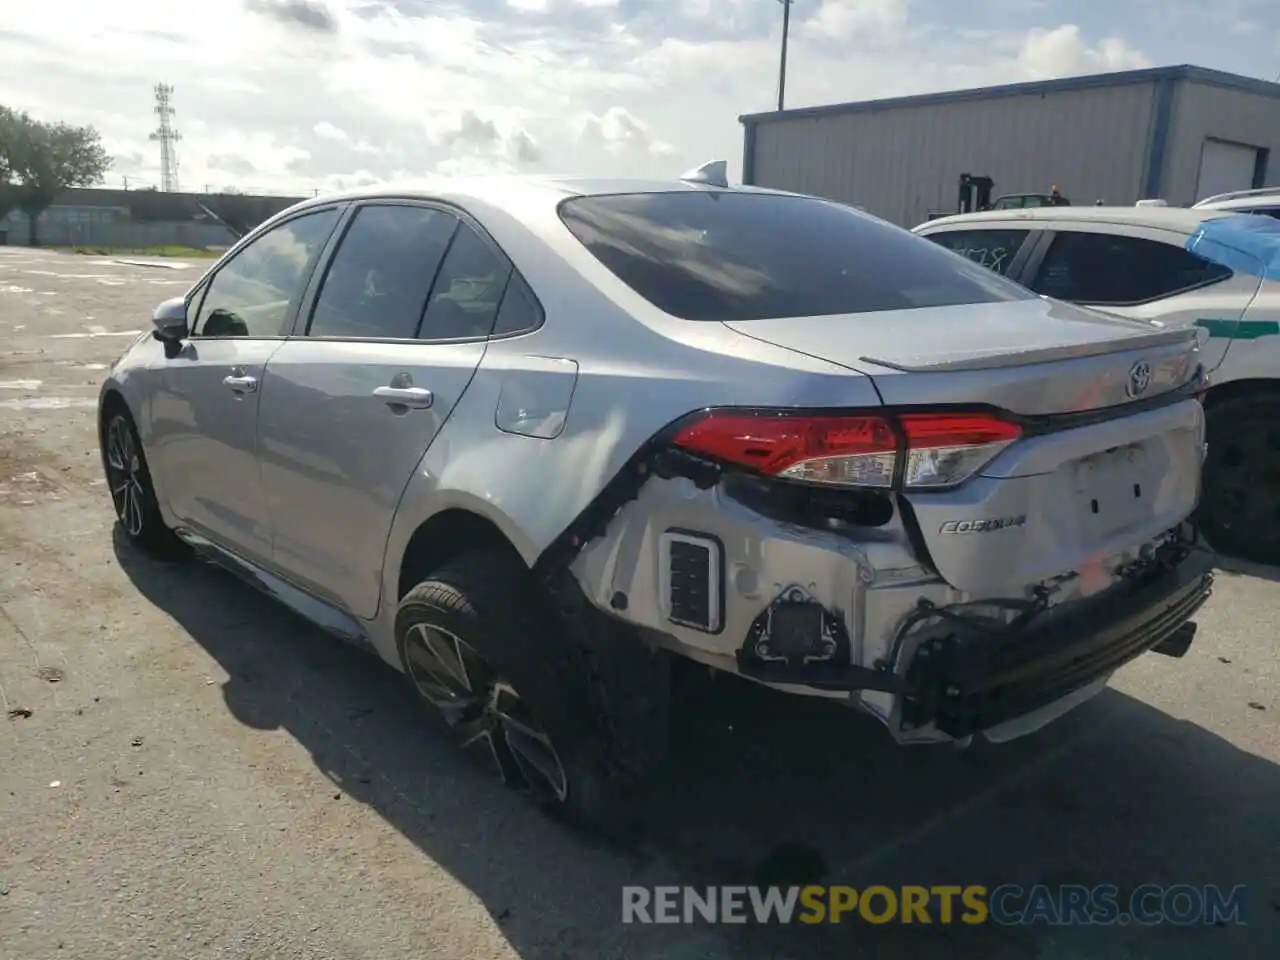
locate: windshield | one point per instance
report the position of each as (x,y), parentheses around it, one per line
(728,256)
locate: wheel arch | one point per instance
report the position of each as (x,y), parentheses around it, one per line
(1232,389)
(111,402)
(449,533)
(1231,524)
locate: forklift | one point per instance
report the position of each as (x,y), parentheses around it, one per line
(975,195)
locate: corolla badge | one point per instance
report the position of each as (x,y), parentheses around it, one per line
(1139,379)
(986,525)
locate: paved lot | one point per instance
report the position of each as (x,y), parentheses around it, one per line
(202,775)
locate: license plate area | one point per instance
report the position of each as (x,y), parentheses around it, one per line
(1116,488)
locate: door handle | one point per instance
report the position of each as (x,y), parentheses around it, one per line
(414,398)
(241,384)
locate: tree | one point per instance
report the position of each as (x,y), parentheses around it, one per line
(43,159)
(9,127)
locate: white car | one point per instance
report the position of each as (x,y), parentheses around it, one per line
(1217,269)
(1265,201)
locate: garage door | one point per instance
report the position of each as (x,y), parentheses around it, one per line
(1225,167)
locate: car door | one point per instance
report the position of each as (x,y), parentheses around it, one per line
(1145,273)
(1002,249)
(394,331)
(205,411)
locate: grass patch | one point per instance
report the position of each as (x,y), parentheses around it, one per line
(171,250)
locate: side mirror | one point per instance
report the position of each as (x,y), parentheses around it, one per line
(170,321)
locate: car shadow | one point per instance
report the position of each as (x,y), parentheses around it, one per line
(1237,566)
(769,789)
(1245,568)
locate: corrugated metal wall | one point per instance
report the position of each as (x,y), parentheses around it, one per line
(902,162)
(55,233)
(1202,110)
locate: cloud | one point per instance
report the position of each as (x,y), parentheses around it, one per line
(527,150)
(307,14)
(297,95)
(1062,51)
(336,135)
(496,141)
(847,19)
(620,131)
(328,131)
(230,163)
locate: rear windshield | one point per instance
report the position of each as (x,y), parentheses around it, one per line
(703,255)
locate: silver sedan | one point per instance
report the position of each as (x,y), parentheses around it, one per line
(535,441)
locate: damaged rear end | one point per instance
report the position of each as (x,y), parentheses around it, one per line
(976,554)
(952,568)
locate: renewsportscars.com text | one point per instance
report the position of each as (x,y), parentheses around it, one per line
(1008,904)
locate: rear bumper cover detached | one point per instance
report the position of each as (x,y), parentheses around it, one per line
(973,679)
(965,685)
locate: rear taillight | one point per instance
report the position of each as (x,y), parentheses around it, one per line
(938,449)
(944,449)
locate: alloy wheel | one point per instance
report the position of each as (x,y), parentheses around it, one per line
(124,476)
(485,709)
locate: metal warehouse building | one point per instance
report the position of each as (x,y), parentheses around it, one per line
(1176,133)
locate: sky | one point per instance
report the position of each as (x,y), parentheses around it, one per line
(299,96)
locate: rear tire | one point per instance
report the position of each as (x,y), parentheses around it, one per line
(479,644)
(1239,510)
(132,491)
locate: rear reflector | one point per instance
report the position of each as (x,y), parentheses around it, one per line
(941,449)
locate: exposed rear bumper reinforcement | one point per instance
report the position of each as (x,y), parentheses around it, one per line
(971,684)
(969,681)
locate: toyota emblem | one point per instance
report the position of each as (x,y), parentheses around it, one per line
(1139,379)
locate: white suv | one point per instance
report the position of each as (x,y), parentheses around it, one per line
(1210,267)
(1265,201)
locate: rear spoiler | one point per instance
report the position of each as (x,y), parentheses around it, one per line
(1140,341)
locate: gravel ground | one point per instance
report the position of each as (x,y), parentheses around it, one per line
(188,770)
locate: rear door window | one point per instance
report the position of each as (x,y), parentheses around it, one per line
(731,256)
(520,311)
(468,291)
(1114,270)
(377,283)
(993,249)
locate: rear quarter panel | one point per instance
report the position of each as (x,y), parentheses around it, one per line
(629,385)
(1254,351)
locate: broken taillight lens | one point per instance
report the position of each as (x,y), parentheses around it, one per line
(939,449)
(944,449)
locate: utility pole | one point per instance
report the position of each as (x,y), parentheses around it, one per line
(782,67)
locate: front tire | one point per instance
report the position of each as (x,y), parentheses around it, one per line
(479,645)
(1240,505)
(132,492)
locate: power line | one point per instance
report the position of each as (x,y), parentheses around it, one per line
(167,136)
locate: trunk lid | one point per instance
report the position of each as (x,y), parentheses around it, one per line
(1029,357)
(1080,501)
(1064,500)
